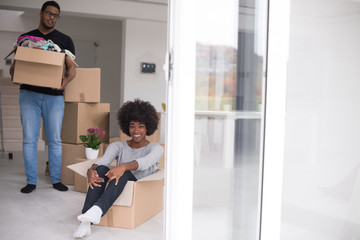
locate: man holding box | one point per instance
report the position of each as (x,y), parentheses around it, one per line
(48,103)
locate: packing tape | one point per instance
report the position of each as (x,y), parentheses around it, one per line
(82,97)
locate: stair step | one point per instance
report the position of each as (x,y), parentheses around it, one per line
(16,145)
(13,89)
(11,122)
(9,100)
(12,133)
(16,133)
(13,111)
(6,81)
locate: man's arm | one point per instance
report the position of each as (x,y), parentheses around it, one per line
(70,72)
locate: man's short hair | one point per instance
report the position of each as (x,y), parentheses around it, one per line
(50,3)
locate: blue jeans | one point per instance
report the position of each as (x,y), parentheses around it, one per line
(104,198)
(33,106)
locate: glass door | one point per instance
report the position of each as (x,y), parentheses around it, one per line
(230,70)
(215,121)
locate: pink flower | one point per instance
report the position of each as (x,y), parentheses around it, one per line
(92,139)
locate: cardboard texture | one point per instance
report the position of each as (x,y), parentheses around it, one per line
(114,139)
(155,137)
(39,67)
(85,87)
(162,160)
(79,117)
(70,153)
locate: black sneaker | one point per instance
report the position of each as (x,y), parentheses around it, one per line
(61,187)
(28,188)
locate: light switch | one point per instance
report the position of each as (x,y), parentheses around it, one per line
(148,67)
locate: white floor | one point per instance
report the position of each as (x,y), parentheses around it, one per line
(49,214)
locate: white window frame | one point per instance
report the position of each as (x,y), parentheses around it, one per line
(180,120)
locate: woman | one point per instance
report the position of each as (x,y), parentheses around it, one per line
(136,158)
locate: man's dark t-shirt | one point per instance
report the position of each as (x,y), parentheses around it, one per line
(64,42)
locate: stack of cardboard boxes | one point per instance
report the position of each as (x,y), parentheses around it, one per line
(83,110)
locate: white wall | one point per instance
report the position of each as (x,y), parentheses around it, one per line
(321,190)
(145,42)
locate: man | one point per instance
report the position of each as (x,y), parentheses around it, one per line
(36,102)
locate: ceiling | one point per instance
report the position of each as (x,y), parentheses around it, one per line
(160,2)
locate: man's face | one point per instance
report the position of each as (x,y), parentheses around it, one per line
(49,16)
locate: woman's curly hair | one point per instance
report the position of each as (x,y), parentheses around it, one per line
(138,111)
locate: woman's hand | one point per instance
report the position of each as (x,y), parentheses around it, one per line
(116,173)
(93,178)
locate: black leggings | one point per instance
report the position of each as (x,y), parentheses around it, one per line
(104,198)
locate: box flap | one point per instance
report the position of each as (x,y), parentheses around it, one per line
(46,57)
(158,175)
(12,51)
(81,168)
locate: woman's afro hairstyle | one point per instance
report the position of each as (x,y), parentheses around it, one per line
(138,111)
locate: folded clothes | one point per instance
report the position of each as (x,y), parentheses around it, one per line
(32,44)
(30,38)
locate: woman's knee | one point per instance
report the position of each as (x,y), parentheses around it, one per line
(102,170)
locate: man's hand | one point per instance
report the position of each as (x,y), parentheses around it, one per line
(93,178)
(70,72)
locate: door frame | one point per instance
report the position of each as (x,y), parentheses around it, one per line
(180,119)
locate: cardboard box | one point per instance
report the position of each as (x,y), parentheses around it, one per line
(39,67)
(138,202)
(71,152)
(79,117)
(85,87)
(147,202)
(80,181)
(162,160)
(155,137)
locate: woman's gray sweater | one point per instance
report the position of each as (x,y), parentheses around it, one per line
(147,157)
